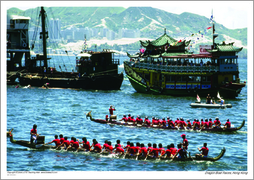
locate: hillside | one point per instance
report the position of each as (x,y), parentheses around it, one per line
(150,21)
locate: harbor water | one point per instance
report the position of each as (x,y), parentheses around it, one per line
(62,111)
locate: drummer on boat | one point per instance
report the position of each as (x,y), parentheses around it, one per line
(111,109)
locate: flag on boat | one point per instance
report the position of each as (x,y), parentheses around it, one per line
(218,96)
(198,98)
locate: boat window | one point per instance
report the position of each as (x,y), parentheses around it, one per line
(178,78)
(234,77)
(184,78)
(170,79)
(191,78)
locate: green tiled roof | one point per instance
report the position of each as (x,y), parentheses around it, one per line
(161,41)
(132,55)
(225,48)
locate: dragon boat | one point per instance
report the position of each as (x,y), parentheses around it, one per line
(40,145)
(122,123)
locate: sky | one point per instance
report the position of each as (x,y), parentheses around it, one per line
(231,14)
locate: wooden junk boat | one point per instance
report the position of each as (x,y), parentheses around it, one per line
(167,67)
(40,146)
(122,123)
(95,70)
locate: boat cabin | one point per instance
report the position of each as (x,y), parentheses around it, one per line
(90,62)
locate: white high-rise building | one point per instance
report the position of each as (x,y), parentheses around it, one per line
(54,28)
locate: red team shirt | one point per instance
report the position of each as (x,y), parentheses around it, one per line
(111,111)
(204,151)
(34,131)
(57,142)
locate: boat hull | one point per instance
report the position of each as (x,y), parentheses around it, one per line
(199,105)
(138,83)
(103,82)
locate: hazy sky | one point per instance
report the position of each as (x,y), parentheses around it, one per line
(232,14)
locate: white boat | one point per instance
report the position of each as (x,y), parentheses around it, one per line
(198,104)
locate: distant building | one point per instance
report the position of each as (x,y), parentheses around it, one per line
(54,28)
(128,33)
(111,35)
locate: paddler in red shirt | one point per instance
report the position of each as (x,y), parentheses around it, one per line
(65,144)
(161,150)
(125,118)
(133,120)
(176,122)
(139,120)
(74,145)
(96,147)
(56,141)
(142,151)
(189,126)
(34,134)
(164,122)
(86,145)
(61,138)
(129,118)
(217,123)
(204,151)
(167,153)
(171,124)
(119,150)
(210,123)
(227,124)
(155,121)
(147,121)
(128,145)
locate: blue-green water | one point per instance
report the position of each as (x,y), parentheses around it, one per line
(61,111)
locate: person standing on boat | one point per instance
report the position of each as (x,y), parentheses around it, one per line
(185,142)
(208,99)
(204,151)
(34,134)
(227,124)
(111,109)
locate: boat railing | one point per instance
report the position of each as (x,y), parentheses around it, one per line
(173,68)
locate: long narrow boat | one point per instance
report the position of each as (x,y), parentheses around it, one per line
(40,145)
(122,123)
(198,105)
